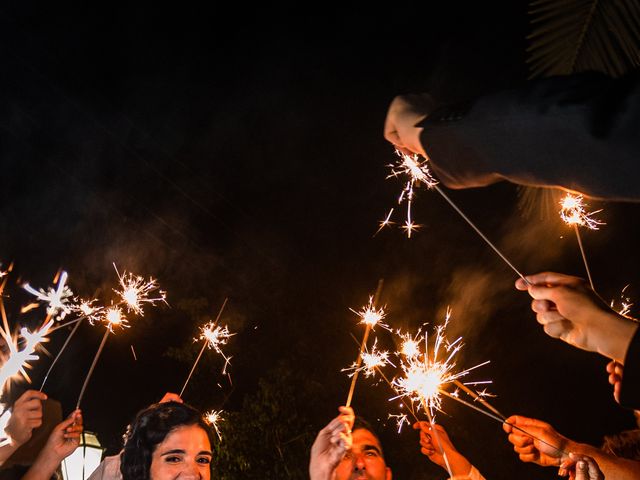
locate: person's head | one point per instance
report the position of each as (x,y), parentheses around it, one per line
(167,440)
(624,444)
(366,458)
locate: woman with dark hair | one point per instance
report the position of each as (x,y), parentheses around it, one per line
(167,440)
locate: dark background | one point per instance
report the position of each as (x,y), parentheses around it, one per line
(239,153)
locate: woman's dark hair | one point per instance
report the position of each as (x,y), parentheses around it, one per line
(624,444)
(149,429)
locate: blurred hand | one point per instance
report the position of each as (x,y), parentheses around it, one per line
(64,438)
(331,444)
(615,369)
(581,467)
(569,310)
(405,111)
(26,415)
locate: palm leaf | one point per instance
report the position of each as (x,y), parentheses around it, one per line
(572,36)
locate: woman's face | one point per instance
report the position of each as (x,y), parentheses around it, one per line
(184,454)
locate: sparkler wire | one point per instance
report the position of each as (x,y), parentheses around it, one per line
(93,365)
(482,235)
(477,397)
(437,435)
(584,256)
(204,346)
(363,345)
(66,342)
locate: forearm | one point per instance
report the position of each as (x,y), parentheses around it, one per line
(6,451)
(460,466)
(43,468)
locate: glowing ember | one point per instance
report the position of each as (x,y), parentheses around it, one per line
(410,345)
(370,362)
(17,360)
(57,299)
(573,212)
(114,317)
(213,418)
(135,291)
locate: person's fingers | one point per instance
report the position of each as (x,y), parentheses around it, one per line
(558,329)
(551,278)
(611,366)
(529,449)
(427,451)
(424,426)
(528,457)
(519,441)
(521,421)
(30,395)
(542,306)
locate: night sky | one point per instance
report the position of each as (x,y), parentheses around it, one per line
(239,154)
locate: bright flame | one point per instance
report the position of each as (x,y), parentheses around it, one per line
(416,171)
(114,317)
(370,362)
(17,360)
(135,291)
(573,212)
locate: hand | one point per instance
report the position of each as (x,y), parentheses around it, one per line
(400,128)
(582,467)
(332,442)
(429,446)
(615,370)
(547,448)
(64,438)
(25,416)
(170,397)
(568,309)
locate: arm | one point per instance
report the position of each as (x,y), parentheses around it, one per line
(429,446)
(553,132)
(538,442)
(332,442)
(25,417)
(62,442)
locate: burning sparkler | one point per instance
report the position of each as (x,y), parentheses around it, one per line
(418,173)
(371,362)
(213,336)
(57,299)
(214,418)
(371,317)
(573,212)
(135,291)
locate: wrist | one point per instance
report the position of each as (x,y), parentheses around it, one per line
(619,332)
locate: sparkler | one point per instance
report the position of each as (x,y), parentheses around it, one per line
(371,316)
(573,213)
(418,172)
(57,299)
(213,336)
(371,362)
(135,291)
(213,418)
(112,317)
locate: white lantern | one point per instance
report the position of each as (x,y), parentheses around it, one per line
(84,460)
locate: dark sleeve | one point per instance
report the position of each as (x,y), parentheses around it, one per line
(581,132)
(630,392)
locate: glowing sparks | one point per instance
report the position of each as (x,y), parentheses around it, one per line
(426,373)
(135,291)
(114,317)
(573,212)
(624,304)
(371,361)
(215,336)
(88,310)
(57,299)
(370,315)
(401,420)
(17,360)
(416,172)
(214,418)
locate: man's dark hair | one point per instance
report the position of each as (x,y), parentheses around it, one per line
(361,423)
(150,428)
(624,444)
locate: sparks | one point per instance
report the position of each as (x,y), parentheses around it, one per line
(573,212)
(624,304)
(114,317)
(426,373)
(370,315)
(370,362)
(410,344)
(57,299)
(418,173)
(17,360)
(88,310)
(401,420)
(213,418)
(134,292)
(214,336)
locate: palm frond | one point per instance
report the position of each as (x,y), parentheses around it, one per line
(572,36)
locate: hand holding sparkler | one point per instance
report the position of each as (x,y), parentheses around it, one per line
(404,113)
(436,446)
(26,416)
(331,444)
(569,310)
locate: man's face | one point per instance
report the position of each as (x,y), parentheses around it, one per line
(364,461)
